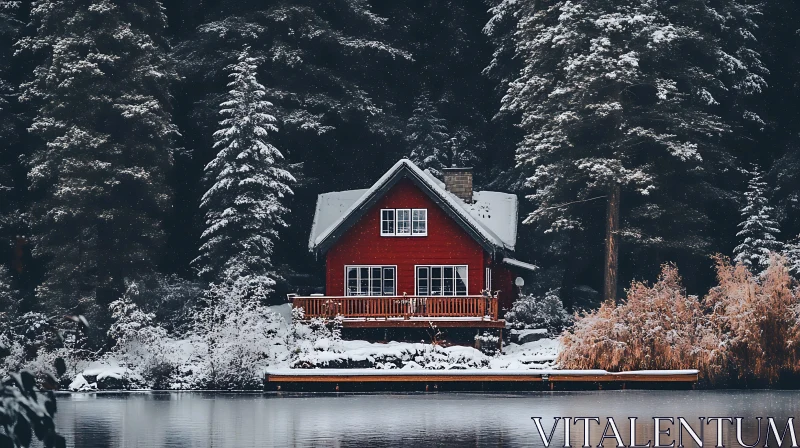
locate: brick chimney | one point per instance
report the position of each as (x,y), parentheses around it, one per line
(459,182)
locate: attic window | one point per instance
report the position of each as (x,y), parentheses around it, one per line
(404,222)
(387,222)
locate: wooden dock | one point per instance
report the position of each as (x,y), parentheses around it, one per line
(488,379)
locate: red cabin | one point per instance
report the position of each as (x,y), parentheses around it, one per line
(412,249)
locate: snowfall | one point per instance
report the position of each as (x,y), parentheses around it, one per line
(320,353)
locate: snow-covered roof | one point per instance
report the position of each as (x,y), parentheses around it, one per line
(520,264)
(331,207)
(493,214)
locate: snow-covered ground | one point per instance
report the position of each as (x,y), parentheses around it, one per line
(539,354)
(187,364)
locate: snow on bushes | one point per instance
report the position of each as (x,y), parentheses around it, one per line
(756,318)
(532,312)
(392,355)
(237,338)
(658,327)
(745,329)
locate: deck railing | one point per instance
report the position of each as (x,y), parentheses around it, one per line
(397,307)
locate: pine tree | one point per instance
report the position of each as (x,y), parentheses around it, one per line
(248,183)
(630,95)
(9,29)
(8,296)
(429,143)
(325,65)
(101,97)
(12,123)
(758,230)
(791,251)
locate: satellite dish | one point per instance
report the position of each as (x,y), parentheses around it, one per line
(519,282)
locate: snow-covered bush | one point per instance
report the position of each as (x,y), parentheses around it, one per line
(756,318)
(315,335)
(237,338)
(533,311)
(35,342)
(488,344)
(656,327)
(139,342)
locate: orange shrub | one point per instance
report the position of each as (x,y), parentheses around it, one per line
(658,327)
(756,318)
(746,328)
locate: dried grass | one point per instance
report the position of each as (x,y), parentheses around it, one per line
(746,328)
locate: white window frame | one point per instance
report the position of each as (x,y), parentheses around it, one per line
(406,223)
(358,279)
(392,221)
(396,219)
(430,279)
(424,221)
(489,280)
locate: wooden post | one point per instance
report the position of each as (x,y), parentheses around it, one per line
(612,244)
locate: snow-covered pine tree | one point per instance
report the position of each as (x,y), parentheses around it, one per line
(9,31)
(101,96)
(247,185)
(8,296)
(791,251)
(429,143)
(758,229)
(631,94)
(326,65)
(12,123)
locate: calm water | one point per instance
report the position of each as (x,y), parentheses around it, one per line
(194,419)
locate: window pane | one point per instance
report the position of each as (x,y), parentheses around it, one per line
(461,280)
(422,281)
(363,281)
(449,281)
(352,281)
(375,281)
(388,281)
(387,222)
(403,221)
(419,221)
(436,281)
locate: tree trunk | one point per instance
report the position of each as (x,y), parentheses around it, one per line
(612,244)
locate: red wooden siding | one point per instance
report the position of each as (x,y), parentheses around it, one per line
(503,280)
(446,244)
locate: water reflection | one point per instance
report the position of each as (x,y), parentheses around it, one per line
(194,419)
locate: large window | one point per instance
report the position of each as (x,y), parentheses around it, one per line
(371,280)
(441,280)
(404,222)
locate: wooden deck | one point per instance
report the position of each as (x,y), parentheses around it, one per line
(404,311)
(513,379)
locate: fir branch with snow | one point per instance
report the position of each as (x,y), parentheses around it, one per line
(102,147)
(428,138)
(791,251)
(625,93)
(244,203)
(759,229)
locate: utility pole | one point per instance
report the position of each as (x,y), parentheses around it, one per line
(612,244)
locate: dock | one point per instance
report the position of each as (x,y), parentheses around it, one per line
(337,380)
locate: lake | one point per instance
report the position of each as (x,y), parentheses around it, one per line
(214,419)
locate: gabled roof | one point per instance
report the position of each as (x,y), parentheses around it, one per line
(491,219)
